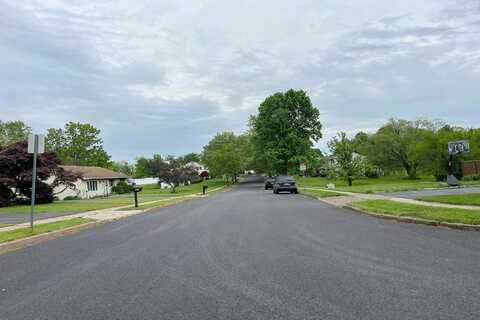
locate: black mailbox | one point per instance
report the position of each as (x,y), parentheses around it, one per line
(136,189)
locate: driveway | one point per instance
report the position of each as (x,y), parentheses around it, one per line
(247,254)
(431,192)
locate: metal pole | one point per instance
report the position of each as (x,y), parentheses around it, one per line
(34,180)
(136,200)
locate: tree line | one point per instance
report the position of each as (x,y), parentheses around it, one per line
(280,136)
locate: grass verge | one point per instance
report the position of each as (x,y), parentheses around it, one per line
(319,193)
(472,199)
(3,225)
(158,204)
(418,211)
(41,228)
(381,184)
(149,193)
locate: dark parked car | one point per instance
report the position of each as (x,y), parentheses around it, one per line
(269,183)
(284,183)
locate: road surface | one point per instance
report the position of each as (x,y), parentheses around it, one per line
(247,254)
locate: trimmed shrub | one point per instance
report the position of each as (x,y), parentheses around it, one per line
(71,198)
(475,177)
(122,187)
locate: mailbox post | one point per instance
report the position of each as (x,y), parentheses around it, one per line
(136,190)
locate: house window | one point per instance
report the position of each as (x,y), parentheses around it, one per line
(92,185)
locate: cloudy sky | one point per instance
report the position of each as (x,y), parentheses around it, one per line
(164,76)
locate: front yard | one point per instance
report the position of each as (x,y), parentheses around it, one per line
(381,184)
(472,199)
(149,193)
(41,228)
(419,211)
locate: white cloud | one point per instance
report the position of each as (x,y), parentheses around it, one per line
(178,72)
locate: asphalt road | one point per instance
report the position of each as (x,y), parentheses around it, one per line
(432,192)
(247,254)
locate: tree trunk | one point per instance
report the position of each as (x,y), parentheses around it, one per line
(411,171)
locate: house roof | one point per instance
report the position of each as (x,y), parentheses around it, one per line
(89,173)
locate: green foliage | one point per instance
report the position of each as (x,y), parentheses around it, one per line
(123,167)
(78,144)
(226,155)
(122,187)
(171,170)
(70,198)
(475,177)
(13,131)
(141,169)
(403,144)
(349,163)
(283,131)
(191,157)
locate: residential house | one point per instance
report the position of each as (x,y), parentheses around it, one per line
(94,182)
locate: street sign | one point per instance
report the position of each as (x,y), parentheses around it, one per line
(40,138)
(36,145)
(303,166)
(458,147)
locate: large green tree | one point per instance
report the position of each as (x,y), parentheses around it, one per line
(225,155)
(141,168)
(284,130)
(78,144)
(349,163)
(123,167)
(13,131)
(404,144)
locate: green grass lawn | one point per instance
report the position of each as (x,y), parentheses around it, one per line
(319,193)
(419,211)
(3,225)
(41,228)
(465,199)
(381,184)
(149,193)
(158,204)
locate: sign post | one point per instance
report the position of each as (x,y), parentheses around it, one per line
(303,167)
(455,148)
(36,145)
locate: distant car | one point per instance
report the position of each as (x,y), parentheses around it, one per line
(284,183)
(269,183)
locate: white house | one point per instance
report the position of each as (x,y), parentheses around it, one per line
(197,167)
(94,182)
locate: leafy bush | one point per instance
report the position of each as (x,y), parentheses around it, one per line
(475,177)
(122,187)
(6,196)
(71,198)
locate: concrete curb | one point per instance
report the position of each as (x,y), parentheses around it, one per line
(30,241)
(458,226)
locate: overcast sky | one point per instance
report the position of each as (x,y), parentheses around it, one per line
(165,76)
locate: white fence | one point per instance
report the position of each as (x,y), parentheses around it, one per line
(144,181)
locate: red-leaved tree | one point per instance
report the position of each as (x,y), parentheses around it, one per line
(16,166)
